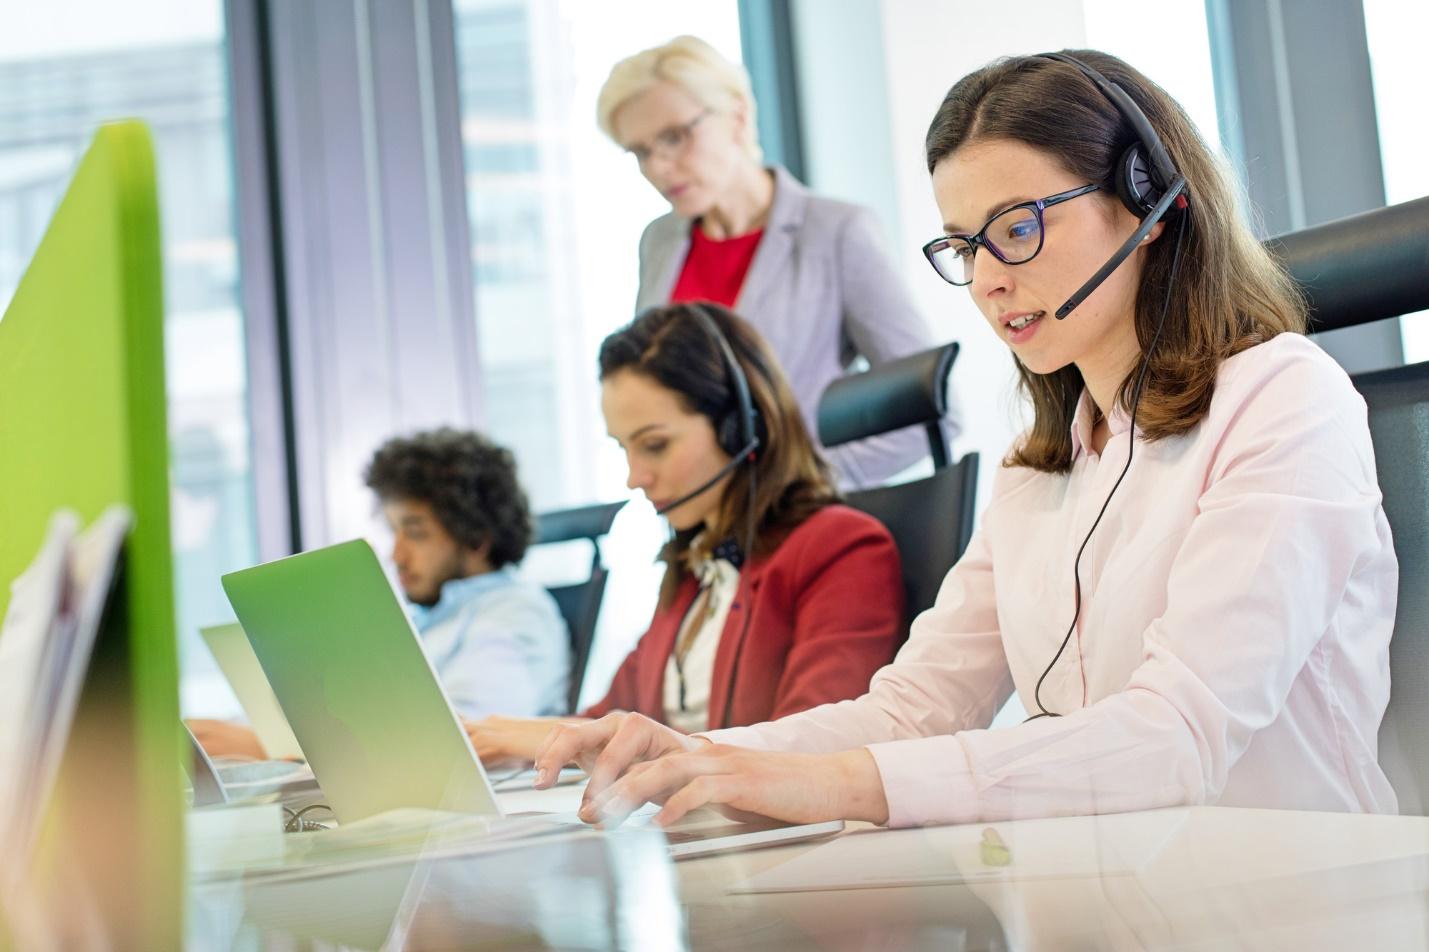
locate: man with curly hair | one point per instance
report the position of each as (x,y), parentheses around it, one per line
(461,524)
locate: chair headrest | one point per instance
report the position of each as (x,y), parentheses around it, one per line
(1363,268)
(582,522)
(903,392)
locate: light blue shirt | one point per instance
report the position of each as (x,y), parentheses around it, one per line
(499,645)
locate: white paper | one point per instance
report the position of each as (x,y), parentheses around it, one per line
(36,601)
(94,560)
(1112,845)
(45,646)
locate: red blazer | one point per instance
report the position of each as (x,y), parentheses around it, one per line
(825,612)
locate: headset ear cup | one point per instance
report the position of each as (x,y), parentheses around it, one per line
(727,433)
(1135,184)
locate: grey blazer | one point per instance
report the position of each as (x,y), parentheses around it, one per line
(822,291)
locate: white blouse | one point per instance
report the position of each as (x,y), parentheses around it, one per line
(1233,643)
(692,659)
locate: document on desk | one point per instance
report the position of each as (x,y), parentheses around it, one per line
(45,644)
(1057,848)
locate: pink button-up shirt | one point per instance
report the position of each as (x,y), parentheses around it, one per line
(1233,643)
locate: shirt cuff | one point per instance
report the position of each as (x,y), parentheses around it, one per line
(927,781)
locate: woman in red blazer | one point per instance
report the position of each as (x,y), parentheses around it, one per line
(776,597)
(823,614)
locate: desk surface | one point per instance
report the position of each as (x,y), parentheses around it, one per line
(1216,878)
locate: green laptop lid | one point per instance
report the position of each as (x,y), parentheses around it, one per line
(357,688)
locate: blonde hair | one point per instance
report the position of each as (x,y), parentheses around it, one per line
(695,67)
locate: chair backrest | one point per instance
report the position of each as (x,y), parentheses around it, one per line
(910,391)
(1359,269)
(1362,268)
(930,519)
(579,602)
(1399,424)
(943,500)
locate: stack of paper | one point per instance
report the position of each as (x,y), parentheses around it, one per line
(45,645)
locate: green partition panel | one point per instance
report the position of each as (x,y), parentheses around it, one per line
(83,426)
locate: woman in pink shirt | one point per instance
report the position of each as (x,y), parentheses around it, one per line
(1223,637)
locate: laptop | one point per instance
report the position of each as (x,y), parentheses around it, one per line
(217,783)
(207,789)
(240,666)
(365,703)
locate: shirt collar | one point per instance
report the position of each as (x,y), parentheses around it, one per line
(1118,420)
(456,593)
(726,557)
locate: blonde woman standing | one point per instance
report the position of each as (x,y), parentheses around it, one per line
(807,271)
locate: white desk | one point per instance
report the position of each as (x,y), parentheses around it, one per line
(1225,878)
(1249,879)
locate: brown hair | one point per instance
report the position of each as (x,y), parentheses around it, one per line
(1229,293)
(670,346)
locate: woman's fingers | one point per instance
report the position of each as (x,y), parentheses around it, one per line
(742,785)
(571,742)
(703,791)
(653,782)
(630,744)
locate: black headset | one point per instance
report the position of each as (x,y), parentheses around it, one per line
(737,431)
(1150,186)
(740,432)
(1147,181)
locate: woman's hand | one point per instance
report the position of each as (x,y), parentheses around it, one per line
(632,761)
(502,741)
(795,788)
(223,739)
(606,748)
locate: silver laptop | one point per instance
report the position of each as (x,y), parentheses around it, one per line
(240,666)
(366,705)
(207,788)
(216,783)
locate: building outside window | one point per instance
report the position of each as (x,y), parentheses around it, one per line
(556,211)
(65,67)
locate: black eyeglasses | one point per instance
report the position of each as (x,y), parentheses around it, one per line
(668,142)
(1014,235)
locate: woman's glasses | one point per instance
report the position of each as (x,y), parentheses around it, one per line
(1014,236)
(668,143)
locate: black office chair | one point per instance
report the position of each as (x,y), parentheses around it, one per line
(579,602)
(931,519)
(1360,269)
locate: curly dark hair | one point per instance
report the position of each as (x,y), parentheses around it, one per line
(469,482)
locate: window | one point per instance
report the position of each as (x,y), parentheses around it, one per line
(556,211)
(1178,58)
(1394,32)
(65,67)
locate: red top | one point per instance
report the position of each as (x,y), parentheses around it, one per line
(715,270)
(826,612)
